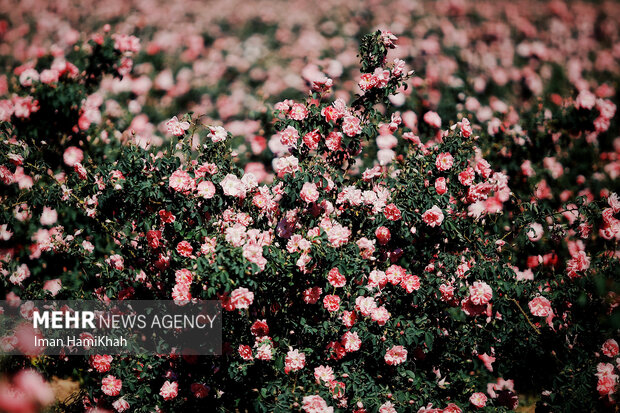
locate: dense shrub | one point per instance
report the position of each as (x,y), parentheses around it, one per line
(389,264)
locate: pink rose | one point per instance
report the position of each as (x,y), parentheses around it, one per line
(383,235)
(433,217)
(49,216)
(392,212)
(206,189)
(351,126)
(433,119)
(245,352)
(289,136)
(315,403)
(184,249)
(111,386)
(312,295)
(480,293)
(169,390)
(324,374)
(331,303)
(540,307)
(177,128)
(298,112)
(440,186)
(53,286)
(333,141)
(101,363)
(241,298)
(309,192)
(312,139)
(351,341)
(335,278)
(466,177)
(478,399)
(72,156)
(217,134)
(396,355)
(294,361)
(367,81)
(444,161)
(120,405)
(610,348)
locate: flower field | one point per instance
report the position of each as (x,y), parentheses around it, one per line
(400,205)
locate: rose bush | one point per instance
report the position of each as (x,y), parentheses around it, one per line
(389,265)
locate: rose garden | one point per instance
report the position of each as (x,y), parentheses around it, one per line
(400,206)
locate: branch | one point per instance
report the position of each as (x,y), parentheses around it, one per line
(525,315)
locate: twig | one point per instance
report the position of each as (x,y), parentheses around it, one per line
(525,314)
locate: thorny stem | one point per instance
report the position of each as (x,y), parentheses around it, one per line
(525,315)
